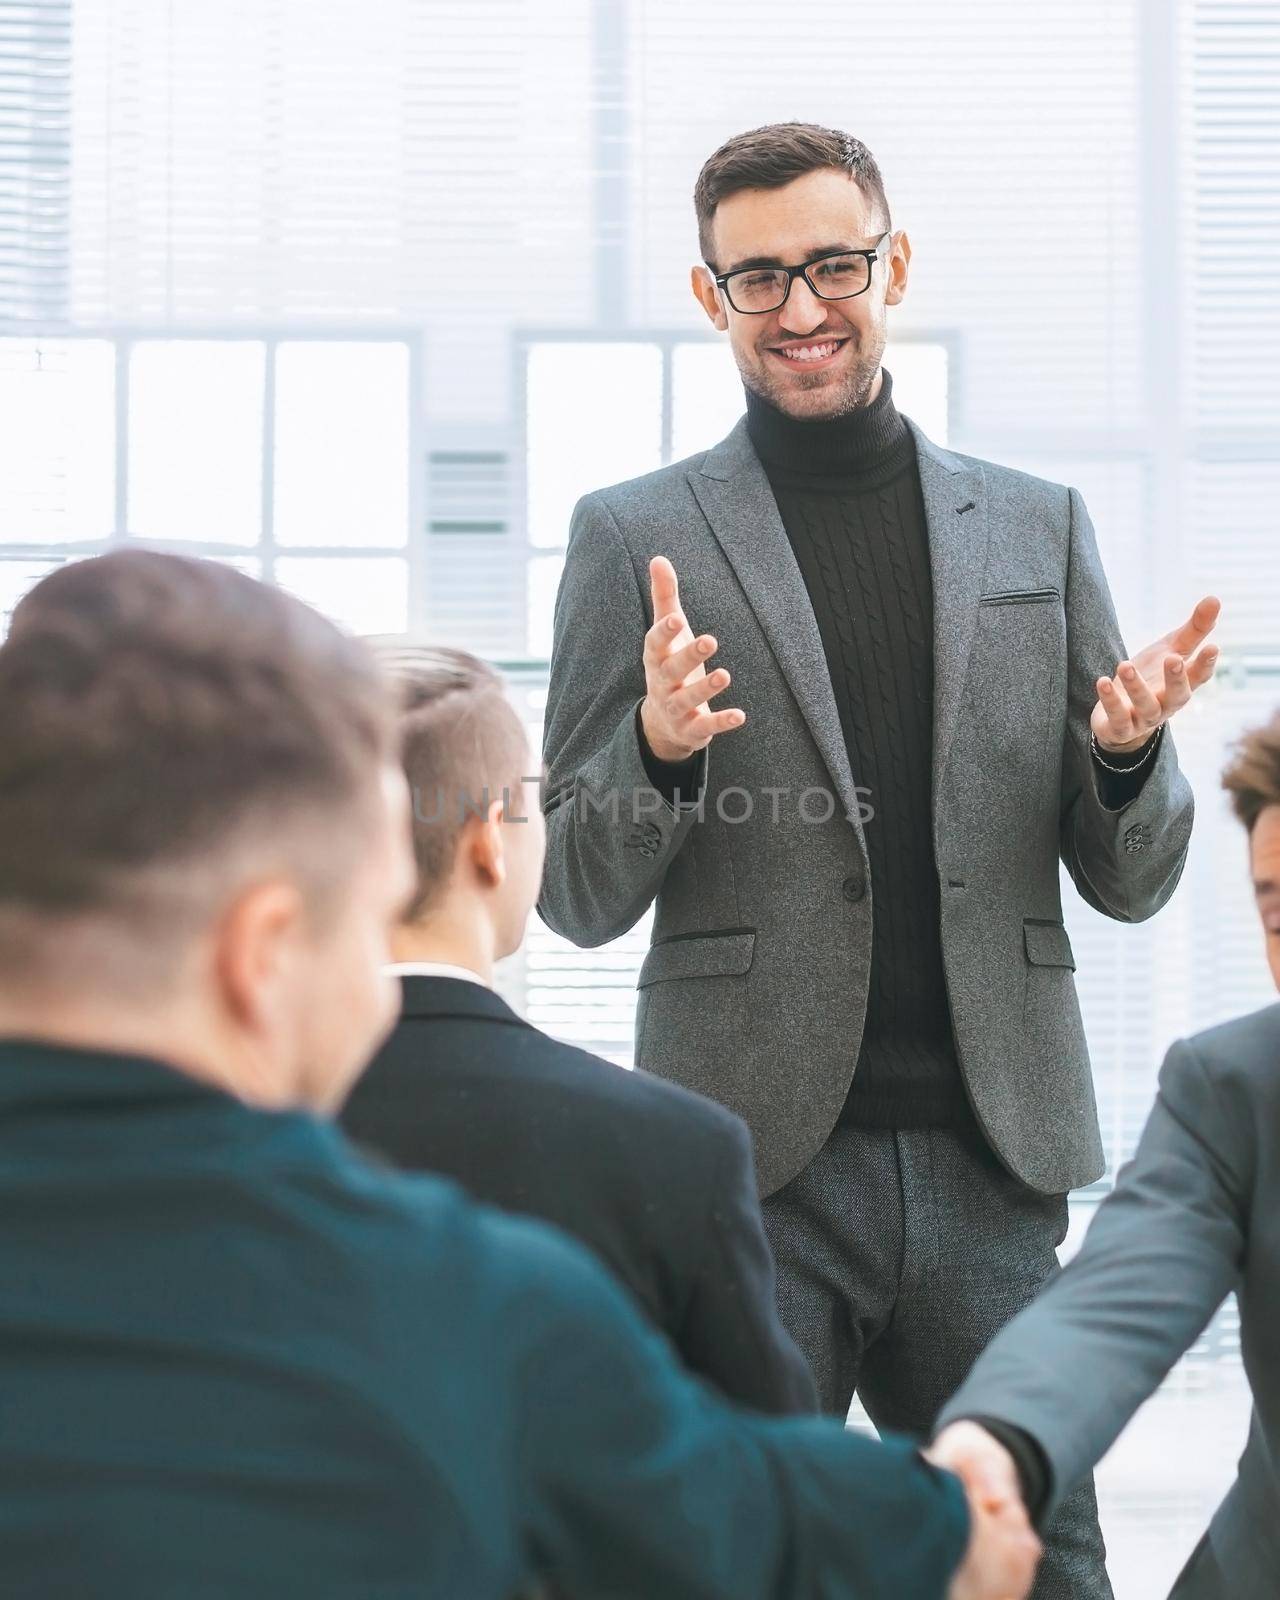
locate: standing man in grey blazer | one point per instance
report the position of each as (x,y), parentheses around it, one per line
(1194,1215)
(858,942)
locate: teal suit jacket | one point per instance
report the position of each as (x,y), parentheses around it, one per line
(236,1359)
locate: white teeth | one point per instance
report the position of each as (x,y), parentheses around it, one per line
(810,352)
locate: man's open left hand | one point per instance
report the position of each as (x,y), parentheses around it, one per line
(1151,686)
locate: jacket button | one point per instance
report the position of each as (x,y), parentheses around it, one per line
(855,887)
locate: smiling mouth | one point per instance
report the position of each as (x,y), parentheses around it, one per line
(808,355)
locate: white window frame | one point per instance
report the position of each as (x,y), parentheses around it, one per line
(264,549)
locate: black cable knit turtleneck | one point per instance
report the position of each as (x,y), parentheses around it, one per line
(848,490)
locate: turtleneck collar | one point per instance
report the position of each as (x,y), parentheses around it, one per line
(860,442)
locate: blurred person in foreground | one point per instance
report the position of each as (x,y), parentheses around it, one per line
(1194,1216)
(235,1358)
(658,1181)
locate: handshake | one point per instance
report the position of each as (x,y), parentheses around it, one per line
(1000,1563)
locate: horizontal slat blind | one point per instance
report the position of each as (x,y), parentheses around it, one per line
(1230,244)
(35,159)
(1008,137)
(361,160)
(1231,216)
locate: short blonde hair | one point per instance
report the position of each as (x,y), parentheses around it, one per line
(461,745)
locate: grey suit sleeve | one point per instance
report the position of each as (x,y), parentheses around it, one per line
(1164,1251)
(1126,863)
(610,833)
(730,1332)
(635,1480)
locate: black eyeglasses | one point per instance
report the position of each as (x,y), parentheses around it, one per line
(838,275)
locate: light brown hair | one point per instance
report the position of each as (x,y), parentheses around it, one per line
(1252,778)
(778,154)
(162,720)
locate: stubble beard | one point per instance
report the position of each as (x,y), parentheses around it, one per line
(849,394)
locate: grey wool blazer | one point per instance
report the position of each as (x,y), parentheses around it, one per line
(1194,1215)
(754,989)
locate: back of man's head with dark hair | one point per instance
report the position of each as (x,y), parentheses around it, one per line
(1252,778)
(462,745)
(778,154)
(166,722)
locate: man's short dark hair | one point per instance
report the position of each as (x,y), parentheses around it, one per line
(163,719)
(778,154)
(461,744)
(1252,778)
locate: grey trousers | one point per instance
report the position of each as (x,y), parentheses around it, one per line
(901,1253)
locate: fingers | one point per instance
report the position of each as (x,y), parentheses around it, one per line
(688,715)
(1013,1552)
(707,724)
(669,624)
(677,720)
(987,1470)
(688,697)
(670,659)
(1001,1559)
(677,664)
(690,732)
(1197,627)
(663,588)
(660,638)
(1177,686)
(1121,728)
(1202,666)
(1145,707)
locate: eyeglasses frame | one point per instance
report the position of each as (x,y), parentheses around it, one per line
(873,254)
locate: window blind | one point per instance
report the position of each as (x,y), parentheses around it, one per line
(1008,138)
(360,160)
(1230,246)
(35,159)
(1231,219)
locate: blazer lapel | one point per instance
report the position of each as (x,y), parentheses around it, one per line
(955,507)
(734,493)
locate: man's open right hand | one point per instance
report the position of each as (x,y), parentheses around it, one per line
(676,717)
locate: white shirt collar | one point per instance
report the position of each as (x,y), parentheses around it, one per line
(435,969)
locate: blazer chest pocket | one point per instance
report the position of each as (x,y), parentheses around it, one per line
(1047,944)
(1019,597)
(698,955)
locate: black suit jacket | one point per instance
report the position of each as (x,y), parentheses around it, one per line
(659,1182)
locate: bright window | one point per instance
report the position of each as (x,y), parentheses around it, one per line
(175,441)
(195,440)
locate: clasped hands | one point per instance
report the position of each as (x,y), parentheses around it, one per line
(1003,1552)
